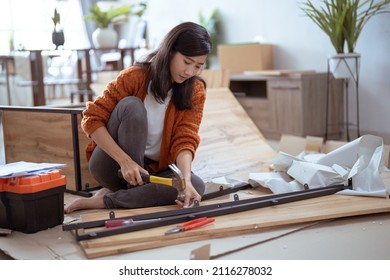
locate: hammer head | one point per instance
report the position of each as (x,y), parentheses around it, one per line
(178,182)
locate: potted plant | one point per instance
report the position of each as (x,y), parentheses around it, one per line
(342,21)
(104,36)
(57,36)
(212,25)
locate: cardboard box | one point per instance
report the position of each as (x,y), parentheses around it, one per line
(33,203)
(245,57)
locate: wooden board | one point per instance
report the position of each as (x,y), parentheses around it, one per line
(231,144)
(310,210)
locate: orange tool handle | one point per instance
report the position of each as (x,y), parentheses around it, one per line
(196,223)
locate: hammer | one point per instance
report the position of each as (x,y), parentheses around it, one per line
(177,182)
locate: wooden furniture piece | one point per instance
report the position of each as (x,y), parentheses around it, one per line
(291,102)
(38,134)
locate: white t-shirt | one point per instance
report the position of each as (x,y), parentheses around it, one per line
(156,117)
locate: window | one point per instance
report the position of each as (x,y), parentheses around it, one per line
(30,26)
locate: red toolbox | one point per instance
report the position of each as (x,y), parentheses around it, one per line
(33,203)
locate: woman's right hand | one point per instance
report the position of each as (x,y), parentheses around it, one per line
(131,172)
(129,168)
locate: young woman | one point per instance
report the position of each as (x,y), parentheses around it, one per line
(146,119)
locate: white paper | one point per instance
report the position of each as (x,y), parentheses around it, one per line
(277,182)
(361,160)
(283,161)
(22,168)
(314,175)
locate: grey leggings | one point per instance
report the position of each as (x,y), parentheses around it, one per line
(128,127)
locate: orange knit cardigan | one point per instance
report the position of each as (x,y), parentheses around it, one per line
(180,127)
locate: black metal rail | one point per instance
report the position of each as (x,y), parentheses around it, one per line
(101,223)
(182,215)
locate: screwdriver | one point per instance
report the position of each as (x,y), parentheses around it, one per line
(118,223)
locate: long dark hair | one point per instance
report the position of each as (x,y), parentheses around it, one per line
(188,38)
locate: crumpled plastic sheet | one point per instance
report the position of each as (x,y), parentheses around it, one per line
(361,160)
(225,182)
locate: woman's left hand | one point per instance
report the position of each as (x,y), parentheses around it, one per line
(190,196)
(184,161)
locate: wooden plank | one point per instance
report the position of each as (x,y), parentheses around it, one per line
(252,221)
(38,137)
(45,137)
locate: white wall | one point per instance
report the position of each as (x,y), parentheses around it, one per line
(299,44)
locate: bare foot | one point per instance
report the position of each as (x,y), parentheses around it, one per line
(94,202)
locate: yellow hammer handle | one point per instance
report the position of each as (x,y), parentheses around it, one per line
(161,180)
